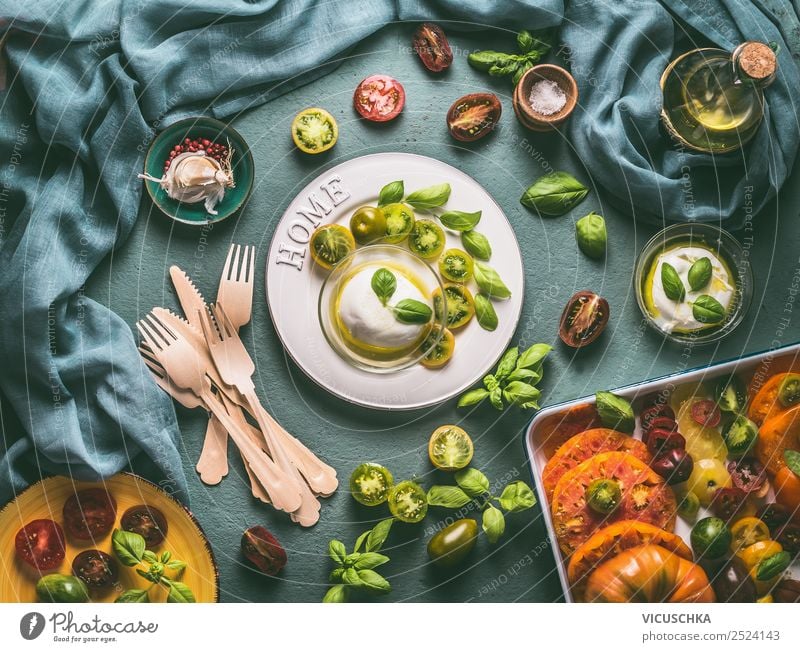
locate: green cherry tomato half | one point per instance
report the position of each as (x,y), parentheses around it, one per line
(456,265)
(330,244)
(740,436)
(426,239)
(439,354)
(370,484)
(408,502)
(314,130)
(451,545)
(789,390)
(460,305)
(399,222)
(711,538)
(603,495)
(368,224)
(450,448)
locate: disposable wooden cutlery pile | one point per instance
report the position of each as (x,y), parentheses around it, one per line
(202,362)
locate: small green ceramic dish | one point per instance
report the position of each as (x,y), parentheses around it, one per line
(200,127)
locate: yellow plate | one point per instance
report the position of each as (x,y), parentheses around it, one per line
(45,499)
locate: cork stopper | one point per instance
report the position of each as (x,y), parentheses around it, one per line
(756,61)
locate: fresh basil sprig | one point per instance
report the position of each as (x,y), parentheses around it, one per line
(391,193)
(707,310)
(384,284)
(700,273)
(671,281)
(130,550)
(513,381)
(356,570)
(554,194)
(474,487)
(532,47)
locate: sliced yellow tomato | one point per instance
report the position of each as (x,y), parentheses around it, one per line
(747,531)
(707,476)
(702,442)
(753,555)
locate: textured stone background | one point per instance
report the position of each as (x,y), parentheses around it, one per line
(521,566)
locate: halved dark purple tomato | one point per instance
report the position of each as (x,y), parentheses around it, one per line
(89,514)
(747,474)
(584,318)
(96,568)
(473,116)
(148,521)
(431,44)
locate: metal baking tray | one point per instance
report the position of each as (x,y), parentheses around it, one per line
(636,393)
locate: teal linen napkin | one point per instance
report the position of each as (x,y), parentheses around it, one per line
(88,81)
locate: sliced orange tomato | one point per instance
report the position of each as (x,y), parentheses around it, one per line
(765,403)
(769,367)
(776,436)
(557,428)
(611,540)
(584,445)
(747,531)
(787,490)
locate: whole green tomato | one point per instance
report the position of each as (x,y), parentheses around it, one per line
(451,545)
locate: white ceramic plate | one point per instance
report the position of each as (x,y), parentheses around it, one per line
(293,282)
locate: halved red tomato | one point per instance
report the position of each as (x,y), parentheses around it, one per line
(431,44)
(584,445)
(474,116)
(89,514)
(644,497)
(40,544)
(379,98)
(559,427)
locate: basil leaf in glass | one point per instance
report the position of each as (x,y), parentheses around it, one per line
(391,193)
(490,282)
(554,194)
(590,232)
(673,286)
(473,397)
(428,198)
(384,284)
(493,523)
(707,310)
(615,412)
(460,221)
(411,311)
(485,312)
(451,497)
(699,273)
(476,244)
(473,482)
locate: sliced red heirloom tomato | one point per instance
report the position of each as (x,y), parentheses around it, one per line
(473,116)
(727,502)
(774,515)
(40,544)
(147,521)
(96,568)
(379,98)
(659,423)
(432,46)
(654,411)
(706,413)
(660,441)
(674,465)
(89,514)
(584,318)
(747,474)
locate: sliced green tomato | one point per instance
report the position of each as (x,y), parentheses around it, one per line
(314,130)
(371,483)
(442,351)
(450,448)
(330,244)
(408,502)
(368,224)
(426,239)
(456,265)
(460,305)
(399,222)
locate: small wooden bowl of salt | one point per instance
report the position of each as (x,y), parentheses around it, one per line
(544,97)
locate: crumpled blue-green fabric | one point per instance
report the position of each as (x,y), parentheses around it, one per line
(87,82)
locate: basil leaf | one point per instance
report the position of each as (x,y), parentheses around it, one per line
(411,311)
(351,577)
(525,41)
(673,286)
(337,551)
(530,376)
(370,560)
(490,382)
(149,576)
(336,575)
(166,556)
(383,284)
(451,497)
(533,355)
(129,547)
(699,273)
(517,497)
(490,282)
(150,557)
(524,67)
(707,310)
(460,221)
(473,482)
(377,535)
(179,592)
(373,581)
(503,69)
(177,565)
(133,595)
(615,412)
(391,193)
(792,459)
(494,523)
(360,541)
(507,363)
(773,566)
(496,398)
(485,312)
(485,59)
(473,397)
(522,394)
(336,594)
(554,194)
(477,244)
(352,558)
(428,198)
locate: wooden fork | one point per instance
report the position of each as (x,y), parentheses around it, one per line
(185,368)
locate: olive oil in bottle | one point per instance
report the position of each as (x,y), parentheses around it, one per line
(713,99)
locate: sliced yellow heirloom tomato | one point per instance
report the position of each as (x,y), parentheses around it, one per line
(753,555)
(314,130)
(701,442)
(442,351)
(708,475)
(747,531)
(330,244)
(450,448)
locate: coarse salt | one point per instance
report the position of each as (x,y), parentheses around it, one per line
(547,97)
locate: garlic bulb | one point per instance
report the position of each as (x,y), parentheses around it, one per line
(193,177)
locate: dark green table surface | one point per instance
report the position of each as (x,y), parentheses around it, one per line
(521,566)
